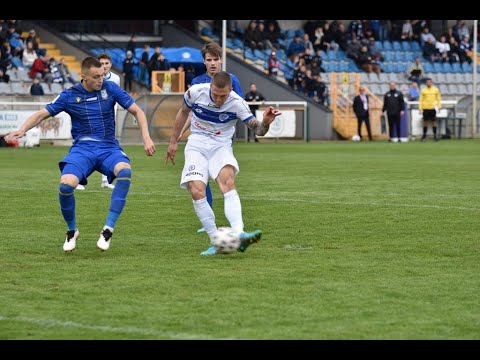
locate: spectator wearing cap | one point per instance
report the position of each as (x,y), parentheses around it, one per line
(17,44)
(128,67)
(273,65)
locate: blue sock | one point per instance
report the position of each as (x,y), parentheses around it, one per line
(119,196)
(67,205)
(209,196)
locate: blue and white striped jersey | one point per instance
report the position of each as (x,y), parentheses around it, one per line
(211,121)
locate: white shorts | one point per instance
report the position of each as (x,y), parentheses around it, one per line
(206,159)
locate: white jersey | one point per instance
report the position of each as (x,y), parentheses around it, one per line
(112,77)
(116,79)
(210,121)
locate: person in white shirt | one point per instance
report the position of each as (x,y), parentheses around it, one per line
(208,153)
(106,61)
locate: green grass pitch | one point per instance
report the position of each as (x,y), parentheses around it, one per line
(361,241)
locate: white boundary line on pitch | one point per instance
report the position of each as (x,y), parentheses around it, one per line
(121,329)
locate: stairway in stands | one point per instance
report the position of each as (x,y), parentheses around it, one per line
(52,50)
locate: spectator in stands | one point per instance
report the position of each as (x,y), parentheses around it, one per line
(340,36)
(143,65)
(430,52)
(309,84)
(36,88)
(464,48)
(443,47)
(367,62)
(361,110)
(372,48)
(429,103)
(4,77)
(353,49)
(413,92)
(272,36)
(307,43)
(132,45)
(407,31)
(128,71)
(29,56)
(32,37)
(328,39)
(393,105)
(453,54)
(415,72)
(40,69)
(299,77)
(460,29)
(63,68)
(321,92)
(151,63)
(161,63)
(425,36)
(189,76)
(254,36)
(253,96)
(273,65)
(296,47)
(55,71)
(16,43)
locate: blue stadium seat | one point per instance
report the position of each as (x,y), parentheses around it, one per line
(238,43)
(415,46)
(467,68)
(387,45)
(331,55)
(396,46)
(437,67)
(406,46)
(379,45)
(446,67)
(428,67)
(456,67)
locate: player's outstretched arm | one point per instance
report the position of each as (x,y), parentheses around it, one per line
(32,121)
(185,127)
(261,128)
(180,120)
(148,144)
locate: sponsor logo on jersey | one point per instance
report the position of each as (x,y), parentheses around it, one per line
(104,94)
(92,99)
(78,99)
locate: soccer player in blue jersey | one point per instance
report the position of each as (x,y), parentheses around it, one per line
(209,153)
(212,58)
(90,105)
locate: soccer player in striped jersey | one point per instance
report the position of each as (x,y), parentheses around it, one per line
(209,153)
(212,58)
(90,105)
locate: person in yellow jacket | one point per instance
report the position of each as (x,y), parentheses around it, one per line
(429,103)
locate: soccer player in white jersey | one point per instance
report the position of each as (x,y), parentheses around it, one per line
(106,61)
(208,153)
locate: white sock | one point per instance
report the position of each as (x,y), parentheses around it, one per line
(205,215)
(104,178)
(233,210)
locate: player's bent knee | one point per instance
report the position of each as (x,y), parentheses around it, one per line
(66,189)
(70,179)
(125,173)
(120,166)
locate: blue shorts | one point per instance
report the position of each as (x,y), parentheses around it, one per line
(85,157)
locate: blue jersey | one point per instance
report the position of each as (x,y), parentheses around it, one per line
(205,79)
(92,113)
